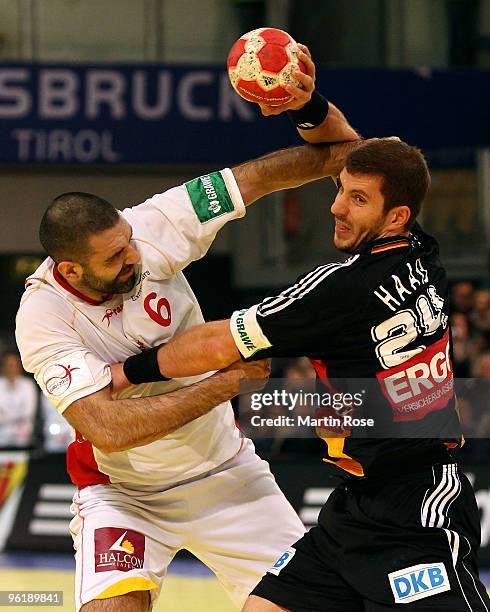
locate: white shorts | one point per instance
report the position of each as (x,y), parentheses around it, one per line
(234,518)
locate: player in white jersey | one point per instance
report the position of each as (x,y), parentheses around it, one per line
(161,466)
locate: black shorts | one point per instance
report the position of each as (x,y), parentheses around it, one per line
(382,544)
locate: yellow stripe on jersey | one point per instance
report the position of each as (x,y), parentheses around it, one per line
(137,583)
(336,451)
(387,247)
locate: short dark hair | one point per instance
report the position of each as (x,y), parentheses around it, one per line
(406,178)
(70,220)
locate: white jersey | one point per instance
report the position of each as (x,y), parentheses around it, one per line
(68,340)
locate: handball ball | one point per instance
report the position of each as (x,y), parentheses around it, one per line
(261,62)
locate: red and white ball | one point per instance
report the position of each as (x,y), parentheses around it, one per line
(261,63)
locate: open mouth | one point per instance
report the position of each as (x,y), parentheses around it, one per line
(125,275)
(340,228)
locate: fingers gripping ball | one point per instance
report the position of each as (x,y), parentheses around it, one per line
(261,63)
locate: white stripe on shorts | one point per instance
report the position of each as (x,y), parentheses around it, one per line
(453,539)
(434,508)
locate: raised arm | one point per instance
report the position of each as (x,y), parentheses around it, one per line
(333,138)
(330,124)
(334,128)
(290,168)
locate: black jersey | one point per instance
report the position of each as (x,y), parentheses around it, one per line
(380,316)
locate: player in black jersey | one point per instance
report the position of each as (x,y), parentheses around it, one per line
(403,530)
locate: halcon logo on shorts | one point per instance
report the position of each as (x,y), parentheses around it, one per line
(281,563)
(118,549)
(419,581)
(209,196)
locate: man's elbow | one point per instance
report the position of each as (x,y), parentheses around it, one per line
(109,445)
(103,442)
(105,448)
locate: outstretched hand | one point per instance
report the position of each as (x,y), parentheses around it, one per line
(301,95)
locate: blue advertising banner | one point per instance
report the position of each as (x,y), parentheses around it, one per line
(162,114)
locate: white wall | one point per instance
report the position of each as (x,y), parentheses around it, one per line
(416,33)
(86,30)
(196,31)
(24,194)
(9,29)
(202,31)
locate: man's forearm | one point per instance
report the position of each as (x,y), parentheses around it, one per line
(200,349)
(335,128)
(290,168)
(118,425)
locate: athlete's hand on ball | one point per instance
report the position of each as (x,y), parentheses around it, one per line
(301,95)
(253,374)
(268,67)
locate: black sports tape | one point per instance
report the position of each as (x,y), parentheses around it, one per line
(312,114)
(143,368)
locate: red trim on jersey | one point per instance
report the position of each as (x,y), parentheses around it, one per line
(335,445)
(60,280)
(81,464)
(321,371)
(391,245)
(320,368)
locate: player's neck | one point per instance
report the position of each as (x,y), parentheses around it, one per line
(97,296)
(80,290)
(394,232)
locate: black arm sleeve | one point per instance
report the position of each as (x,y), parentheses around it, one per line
(297,321)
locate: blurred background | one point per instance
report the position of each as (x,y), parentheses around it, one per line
(126,98)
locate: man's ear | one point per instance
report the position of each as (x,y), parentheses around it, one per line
(399,217)
(70,270)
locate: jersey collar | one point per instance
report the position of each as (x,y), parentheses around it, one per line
(67,287)
(379,245)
